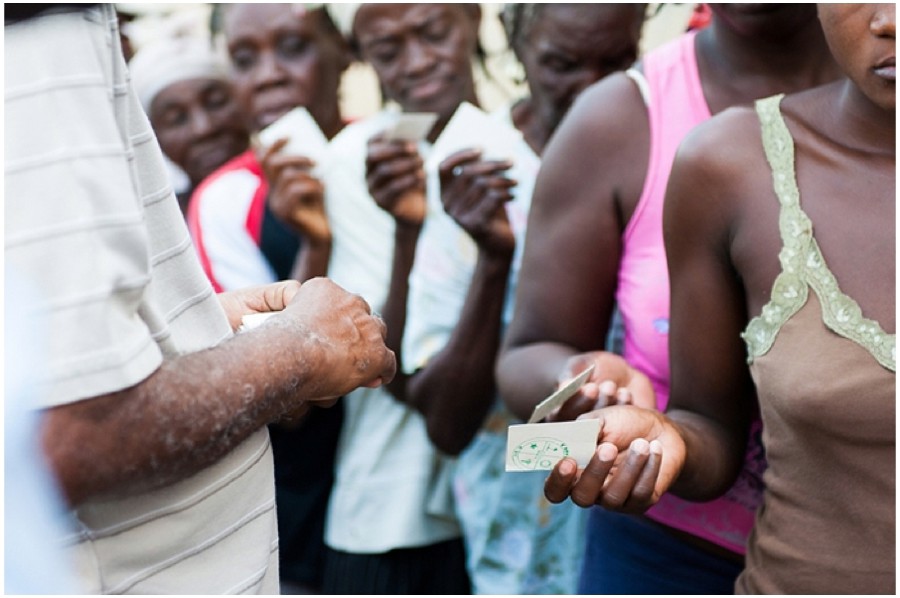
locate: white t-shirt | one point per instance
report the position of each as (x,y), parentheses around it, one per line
(92,223)
(516,541)
(391,484)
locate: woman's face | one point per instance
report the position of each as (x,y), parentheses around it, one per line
(284,56)
(199,125)
(570,46)
(422,53)
(862,38)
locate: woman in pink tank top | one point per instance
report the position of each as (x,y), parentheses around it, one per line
(597,210)
(781,239)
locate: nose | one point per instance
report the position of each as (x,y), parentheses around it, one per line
(418,58)
(201,123)
(884,20)
(268,70)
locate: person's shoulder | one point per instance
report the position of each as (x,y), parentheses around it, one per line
(611,103)
(719,166)
(729,137)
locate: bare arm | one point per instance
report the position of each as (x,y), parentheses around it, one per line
(712,395)
(696,448)
(297,198)
(591,177)
(456,388)
(396,180)
(197,407)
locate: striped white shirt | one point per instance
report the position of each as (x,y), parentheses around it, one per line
(91,221)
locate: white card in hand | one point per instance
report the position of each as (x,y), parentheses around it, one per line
(253,320)
(471,127)
(305,137)
(411,126)
(560,396)
(533,447)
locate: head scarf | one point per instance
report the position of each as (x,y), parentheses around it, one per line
(166,61)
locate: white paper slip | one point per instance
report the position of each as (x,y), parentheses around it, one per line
(560,396)
(253,320)
(411,126)
(305,137)
(471,127)
(534,447)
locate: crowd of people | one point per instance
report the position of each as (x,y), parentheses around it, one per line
(645,219)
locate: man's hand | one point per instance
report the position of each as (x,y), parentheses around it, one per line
(258,299)
(344,341)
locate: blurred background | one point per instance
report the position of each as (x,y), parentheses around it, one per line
(144,22)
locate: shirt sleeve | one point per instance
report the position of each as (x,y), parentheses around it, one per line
(74,222)
(230,256)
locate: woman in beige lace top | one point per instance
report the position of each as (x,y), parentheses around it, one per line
(780,232)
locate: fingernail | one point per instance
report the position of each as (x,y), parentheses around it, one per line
(608,387)
(623,395)
(640,446)
(566,467)
(606,452)
(656,447)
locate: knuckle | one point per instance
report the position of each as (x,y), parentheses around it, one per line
(613,499)
(582,498)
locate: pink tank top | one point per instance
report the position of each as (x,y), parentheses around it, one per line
(675,105)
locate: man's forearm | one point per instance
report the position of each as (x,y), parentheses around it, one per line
(185,416)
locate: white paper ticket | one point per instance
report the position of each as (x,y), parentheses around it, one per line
(253,320)
(411,126)
(534,447)
(560,396)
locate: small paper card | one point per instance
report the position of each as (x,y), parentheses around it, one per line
(411,126)
(253,320)
(560,396)
(471,127)
(534,447)
(305,137)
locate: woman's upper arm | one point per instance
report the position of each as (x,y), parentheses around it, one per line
(708,358)
(566,286)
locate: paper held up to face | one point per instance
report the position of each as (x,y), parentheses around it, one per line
(471,127)
(305,138)
(410,126)
(565,392)
(535,447)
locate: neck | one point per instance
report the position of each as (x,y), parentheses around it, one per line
(742,68)
(872,127)
(526,119)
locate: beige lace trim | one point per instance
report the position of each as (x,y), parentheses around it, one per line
(802,263)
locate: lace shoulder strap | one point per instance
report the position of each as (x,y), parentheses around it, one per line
(802,263)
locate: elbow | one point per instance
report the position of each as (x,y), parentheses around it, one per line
(451,438)
(448,442)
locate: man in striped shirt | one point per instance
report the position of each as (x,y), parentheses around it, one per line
(155,411)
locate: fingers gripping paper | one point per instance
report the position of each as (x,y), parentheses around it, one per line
(540,446)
